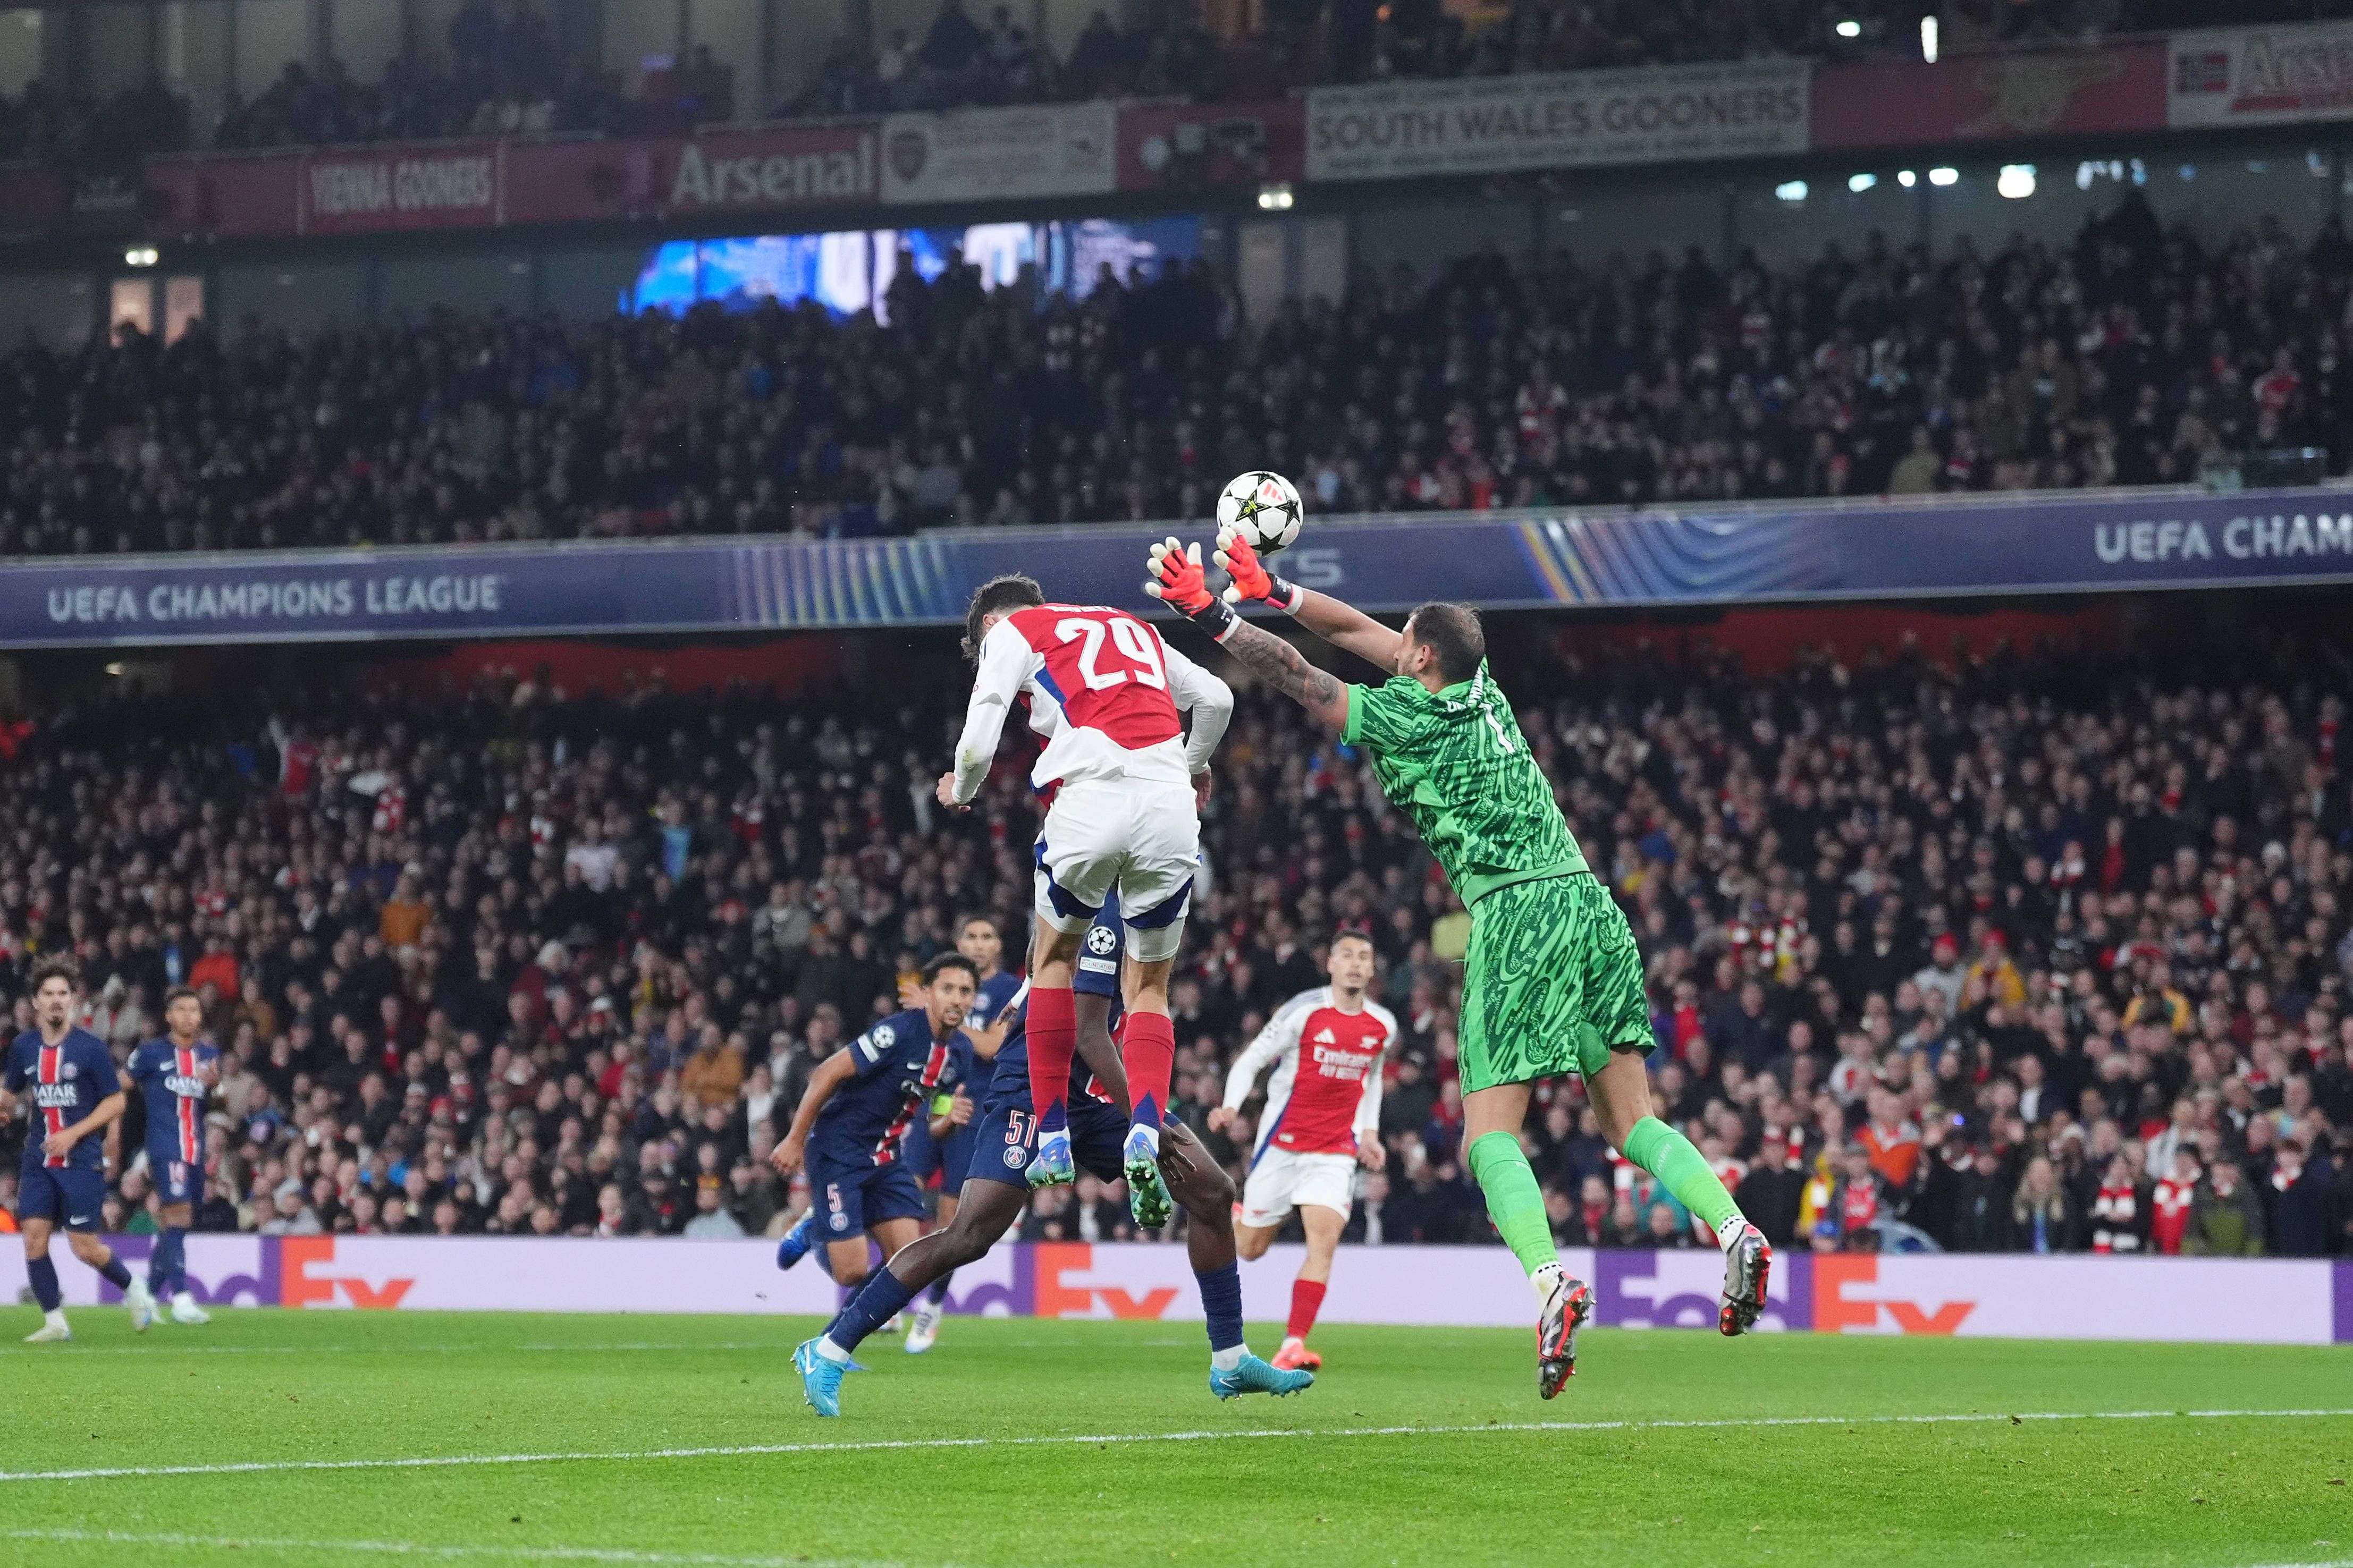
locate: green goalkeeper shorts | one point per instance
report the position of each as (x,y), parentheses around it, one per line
(1551,984)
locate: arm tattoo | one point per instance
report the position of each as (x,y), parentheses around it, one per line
(1284,667)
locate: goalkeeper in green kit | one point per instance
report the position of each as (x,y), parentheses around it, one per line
(1553,983)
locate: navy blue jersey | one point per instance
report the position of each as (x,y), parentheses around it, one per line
(176,1083)
(1097,974)
(901,1070)
(995,995)
(65,1083)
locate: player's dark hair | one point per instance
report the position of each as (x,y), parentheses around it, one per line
(979,917)
(1011,591)
(1455,634)
(947,961)
(58,966)
(176,992)
(1365,937)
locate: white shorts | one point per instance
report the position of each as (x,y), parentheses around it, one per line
(1140,841)
(1282,1180)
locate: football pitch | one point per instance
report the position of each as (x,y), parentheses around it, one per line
(277,1438)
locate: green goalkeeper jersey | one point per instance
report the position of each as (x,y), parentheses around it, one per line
(1456,763)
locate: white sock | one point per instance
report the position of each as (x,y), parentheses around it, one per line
(54,1318)
(1730,1231)
(1228,1358)
(1545,1280)
(829,1350)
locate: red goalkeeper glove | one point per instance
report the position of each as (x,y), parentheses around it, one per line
(1251,579)
(1178,581)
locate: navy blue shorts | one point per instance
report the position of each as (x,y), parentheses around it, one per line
(71,1197)
(917,1151)
(849,1198)
(176,1180)
(1005,1138)
(955,1156)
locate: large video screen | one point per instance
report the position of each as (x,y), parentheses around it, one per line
(851,271)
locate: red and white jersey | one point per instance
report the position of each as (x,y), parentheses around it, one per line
(1326,1095)
(1104,691)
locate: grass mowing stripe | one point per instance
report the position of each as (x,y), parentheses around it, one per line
(450,1461)
(426,1549)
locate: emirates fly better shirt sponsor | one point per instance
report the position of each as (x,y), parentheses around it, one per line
(1326,1095)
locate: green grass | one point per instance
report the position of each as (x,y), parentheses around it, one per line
(267,1387)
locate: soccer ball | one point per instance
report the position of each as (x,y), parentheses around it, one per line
(1263,507)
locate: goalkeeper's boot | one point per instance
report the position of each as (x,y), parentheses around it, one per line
(1251,1375)
(1747,1266)
(820,1377)
(1052,1166)
(1566,1310)
(797,1240)
(1147,1193)
(1295,1355)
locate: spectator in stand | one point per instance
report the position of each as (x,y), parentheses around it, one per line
(2299,1193)
(2171,1202)
(2225,1218)
(1770,1193)
(2119,1213)
(2043,1216)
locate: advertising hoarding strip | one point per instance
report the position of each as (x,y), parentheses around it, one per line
(1792,552)
(2070,1297)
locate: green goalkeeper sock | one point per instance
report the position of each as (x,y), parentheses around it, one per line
(1513,1200)
(1669,1155)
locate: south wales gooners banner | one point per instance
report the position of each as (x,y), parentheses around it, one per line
(1574,119)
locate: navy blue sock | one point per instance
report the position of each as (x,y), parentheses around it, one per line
(167,1268)
(115,1274)
(1221,1305)
(940,1289)
(43,1276)
(879,1300)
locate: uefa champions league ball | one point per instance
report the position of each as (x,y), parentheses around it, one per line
(1263,507)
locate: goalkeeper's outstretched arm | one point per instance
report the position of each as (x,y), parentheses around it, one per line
(1343,626)
(1177,582)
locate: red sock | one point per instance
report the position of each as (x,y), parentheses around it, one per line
(1053,1031)
(1306,1301)
(1147,1049)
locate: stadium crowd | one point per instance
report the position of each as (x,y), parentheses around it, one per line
(2035,953)
(2135,356)
(500,69)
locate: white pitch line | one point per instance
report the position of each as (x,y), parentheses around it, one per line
(430,1550)
(1100,1439)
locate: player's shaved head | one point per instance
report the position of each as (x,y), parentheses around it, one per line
(995,597)
(1453,634)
